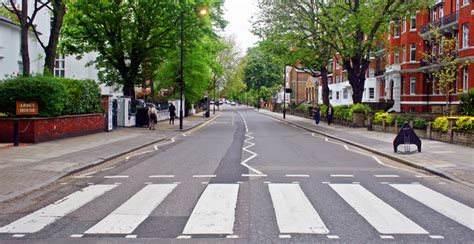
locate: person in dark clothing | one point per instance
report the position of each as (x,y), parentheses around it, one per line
(329,114)
(172,110)
(317,114)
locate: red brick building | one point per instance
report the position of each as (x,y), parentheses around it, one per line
(406,75)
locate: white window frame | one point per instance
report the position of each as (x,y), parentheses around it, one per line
(330,95)
(404,53)
(404,25)
(457,5)
(465,79)
(441,12)
(413,20)
(371,93)
(337,95)
(60,70)
(345,93)
(465,35)
(411,51)
(434,16)
(396,27)
(465,3)
(396,56)
(412,85)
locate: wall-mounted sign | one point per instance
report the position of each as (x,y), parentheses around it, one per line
(27,108)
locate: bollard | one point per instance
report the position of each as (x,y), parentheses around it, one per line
(16,134)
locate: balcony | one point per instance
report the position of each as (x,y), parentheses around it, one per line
(447,21)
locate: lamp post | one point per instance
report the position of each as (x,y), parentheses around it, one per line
(214,107)
(181,69)
(284,92)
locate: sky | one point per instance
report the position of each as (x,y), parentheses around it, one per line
(238,13)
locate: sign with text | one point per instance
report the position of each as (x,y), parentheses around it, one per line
(27,108)
(406,136)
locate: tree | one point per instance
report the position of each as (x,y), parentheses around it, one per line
(351,27)
(261,69)
(443,66)
(295,36)
(26,22)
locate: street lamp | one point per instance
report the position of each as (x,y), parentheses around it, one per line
(284,92)
(202,11)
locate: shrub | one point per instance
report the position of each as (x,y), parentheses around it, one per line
(324,109)
(360,107)
(55,96)
(420,123)
(49,92)
(341,112)
(441,124)
(383,116)
(465,123)
(400,120)
(467,102)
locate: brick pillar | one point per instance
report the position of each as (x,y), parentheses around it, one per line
(428,130)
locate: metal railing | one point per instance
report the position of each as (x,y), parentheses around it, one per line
(446,20)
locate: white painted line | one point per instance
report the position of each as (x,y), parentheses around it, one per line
(18,235)
(116,176)
(148,183)
(386,237)
(332,237)
(76,235)
(177,182)
(205,182)
(214,213)
(355,182)
(293,210)
(295,182)
(267,182)
(127,158)
(386,165)
(342,176)
(240,182)
(36,221)
(384,218)
(253,175)
(117,183)
(442,183)
(326,139)
(312,134)
(346,147)
(436,237)
(442,204)
(63,183)
(384,183)
(156,147)
(183,237)
(107,168)
(284,236)
(204,176)
(134,211)
(90,183)
(254,154)
(425,176)
(184,134)
(415,183)
(386,176)
(81,177)
(161,176)
(232,236)
(326,182)
(131,236)
(297,175)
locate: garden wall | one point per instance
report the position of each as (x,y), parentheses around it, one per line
(35,130)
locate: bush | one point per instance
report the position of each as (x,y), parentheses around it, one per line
(400,120)
(341,112)
(48,91)
(360,107)
(55,96)
(420,123)
(467,102)
(441,124)
(465,123)
(383,116)
(324,109)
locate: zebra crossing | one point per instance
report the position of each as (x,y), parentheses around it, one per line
(214,213)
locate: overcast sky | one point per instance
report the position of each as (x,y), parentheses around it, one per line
(238,13)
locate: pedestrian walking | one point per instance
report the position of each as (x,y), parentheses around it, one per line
(316,114)
(152,118)
(172,110)
(329,114)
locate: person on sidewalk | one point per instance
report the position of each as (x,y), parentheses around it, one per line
(329,114)
(172,110)
(152,118)
(316,114)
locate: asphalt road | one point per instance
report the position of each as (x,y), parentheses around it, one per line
(244,178)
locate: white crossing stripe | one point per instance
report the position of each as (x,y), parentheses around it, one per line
(440,203)
(386,176)
(134,211)
(384,218)
(342,176)
(294,212)
(36,221)
(297,175)
(214,213)
(116,176)
(161,176)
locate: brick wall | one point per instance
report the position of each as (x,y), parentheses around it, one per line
(37,130)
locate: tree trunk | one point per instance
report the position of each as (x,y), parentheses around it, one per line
(356,69)
(129,89)
(59,10)
(325,86)
(152,88)
(25,56)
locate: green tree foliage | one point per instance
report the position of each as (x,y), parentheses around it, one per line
(262,69)
(235,86)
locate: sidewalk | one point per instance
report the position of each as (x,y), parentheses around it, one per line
(32,166)
(448,160)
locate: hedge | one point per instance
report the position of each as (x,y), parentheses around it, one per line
(383,116)
(55,96)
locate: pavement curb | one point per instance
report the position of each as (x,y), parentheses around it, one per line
(430,169)
(94,163)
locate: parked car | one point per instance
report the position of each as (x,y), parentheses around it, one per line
(212,102)
(232,104)
(149,105)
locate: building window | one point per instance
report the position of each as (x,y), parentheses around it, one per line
(404,54)
(345,93)
(330,95)
(465,35)
(412,85)
(371,93)
(337,95)
(389,56)
(404,25)
(413,22)
(412,52)
(465,2)
(434,15)
(433,50)
(457,5)
(396,29)
(465,79)
(402,85)
(59,66)
(396,57)
(441,12)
